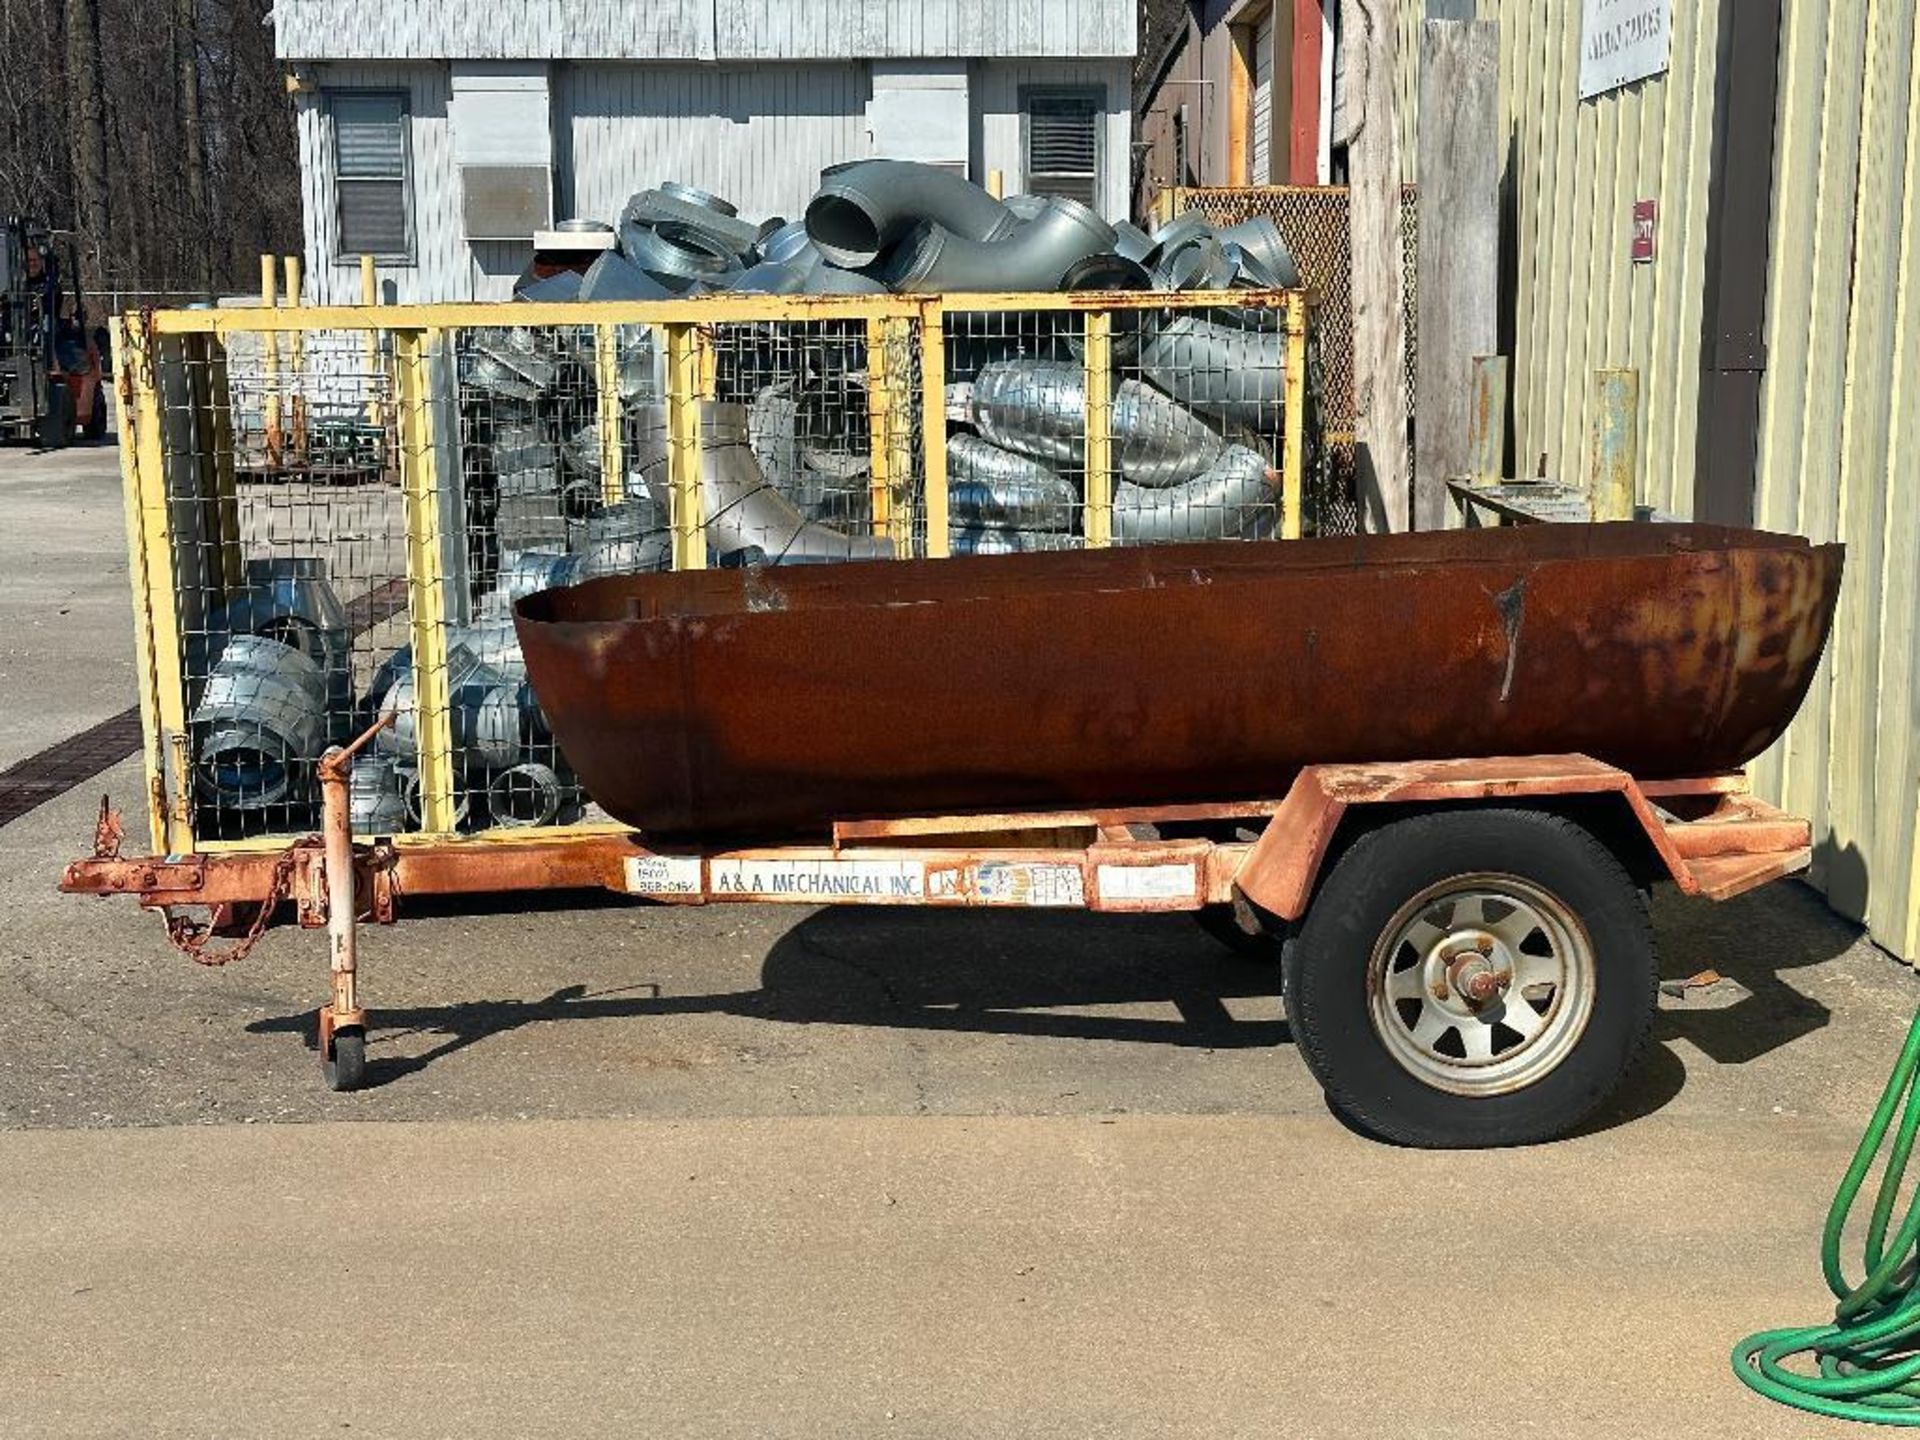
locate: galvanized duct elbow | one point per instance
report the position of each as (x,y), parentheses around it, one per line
(862,208)
(989,486)
(1038,408)
(1229,501)
(1005,540)
(1033,256)
(1260,237)
(1233,374)
(260,721)
(529,794)
(742,509)
(376,804)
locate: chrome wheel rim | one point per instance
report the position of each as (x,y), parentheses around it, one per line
(1481,984)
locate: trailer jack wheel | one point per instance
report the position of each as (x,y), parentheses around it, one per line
(344,1055)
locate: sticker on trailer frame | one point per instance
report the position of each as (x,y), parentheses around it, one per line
(663,874)
(999,882)
(818,879)
(1148,882)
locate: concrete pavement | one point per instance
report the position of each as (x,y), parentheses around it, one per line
(777,1172)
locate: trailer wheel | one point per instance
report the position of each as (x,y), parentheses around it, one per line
(346,1059)
(1472,978)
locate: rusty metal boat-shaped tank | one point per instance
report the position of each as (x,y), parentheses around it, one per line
(770,701)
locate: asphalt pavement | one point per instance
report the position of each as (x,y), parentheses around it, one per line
(758,1171)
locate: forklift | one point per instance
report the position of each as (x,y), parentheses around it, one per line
(51,368)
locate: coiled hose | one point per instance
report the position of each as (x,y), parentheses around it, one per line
(1869,1356)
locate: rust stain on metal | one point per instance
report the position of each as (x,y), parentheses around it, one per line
(1130,677)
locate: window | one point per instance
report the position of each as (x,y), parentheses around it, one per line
(370,175)
(1061,129)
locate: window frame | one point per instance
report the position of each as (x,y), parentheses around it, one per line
(337,240)
(1093,93)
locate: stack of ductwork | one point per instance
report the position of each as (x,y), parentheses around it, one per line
(800,487)
(507,769)
(271,686)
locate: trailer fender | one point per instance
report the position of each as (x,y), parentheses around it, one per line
(1281,870)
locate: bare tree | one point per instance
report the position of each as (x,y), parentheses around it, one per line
(89,131)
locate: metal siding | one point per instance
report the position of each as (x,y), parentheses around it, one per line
(666,30)
(1839,443)
(1260,159)
(997,121)
(757,136)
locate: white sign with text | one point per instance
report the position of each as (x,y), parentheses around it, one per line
(1622,41)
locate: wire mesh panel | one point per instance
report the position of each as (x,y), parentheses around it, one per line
(287,559)
(335,523)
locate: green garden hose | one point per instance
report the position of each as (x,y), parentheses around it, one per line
(1869,1357)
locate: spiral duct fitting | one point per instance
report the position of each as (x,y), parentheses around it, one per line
(1238,376)
(529,794)
(484,709)
(743,510)
(1033,255)
(288,599)
(1230,500)
(1038,408)
(989,486)
(863,208)
(260,722)
(375,802)
(410,793)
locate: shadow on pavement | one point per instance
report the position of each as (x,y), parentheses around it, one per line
(1040,973)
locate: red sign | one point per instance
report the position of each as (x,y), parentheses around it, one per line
(1643,216)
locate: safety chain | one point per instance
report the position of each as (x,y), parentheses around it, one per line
(193,938)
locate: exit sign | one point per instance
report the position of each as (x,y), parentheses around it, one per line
(1644,212)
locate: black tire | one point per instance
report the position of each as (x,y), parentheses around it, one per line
(56,426)
(96,426)
(1219,922)
(1331,1005)
(346,1060)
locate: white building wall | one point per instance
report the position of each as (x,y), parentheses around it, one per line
(996,119)
(757,136)
(667,30)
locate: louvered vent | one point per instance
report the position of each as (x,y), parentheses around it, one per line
(1063,144)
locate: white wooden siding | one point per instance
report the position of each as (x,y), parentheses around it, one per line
(445,266)
(1261,158)
(996,120)
(699,29)
(759,137)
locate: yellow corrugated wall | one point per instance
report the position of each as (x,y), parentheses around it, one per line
(1840,433)
(1840,424)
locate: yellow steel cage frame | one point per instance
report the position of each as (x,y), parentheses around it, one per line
(150,341)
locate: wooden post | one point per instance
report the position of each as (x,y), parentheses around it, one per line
(1303,107)
(296,359)
(996,184)
(1487,420)
(1459,262)
(1240,107)
(1381,471)
(270,357)
(1613,461)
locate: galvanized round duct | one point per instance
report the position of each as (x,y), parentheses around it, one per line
(694,195)
(1230,500)
(410,792)
(770,277)
(1260,237)
(1238,376)
(789,245)
(526,572)
(677,254)
(988,486)
(1130,242)
(507,362)
(863,208)
(260,721)
(1004,540)
(1038,408)
(826,279)
(287,598)
(375,803)
(1032,256)
(484,707)
(742,508)
(528,794)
